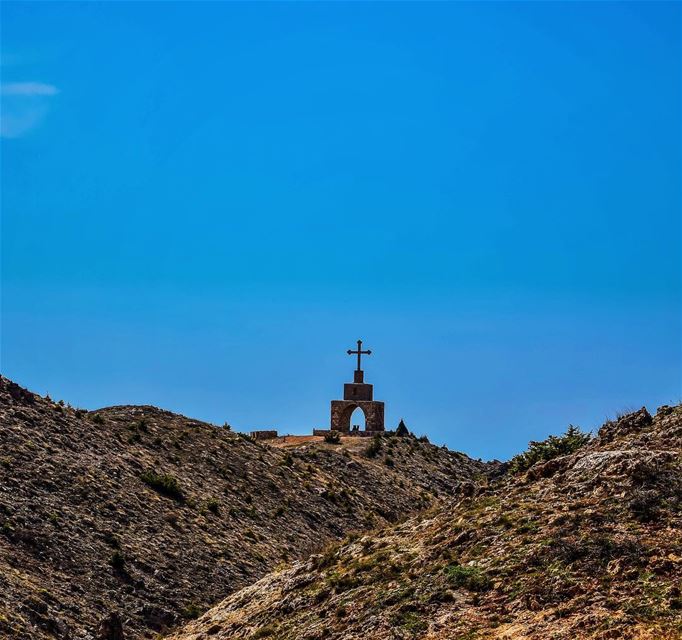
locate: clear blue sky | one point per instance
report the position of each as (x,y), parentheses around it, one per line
(205,205)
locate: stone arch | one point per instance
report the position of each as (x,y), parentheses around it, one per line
(348,414)
(341,411)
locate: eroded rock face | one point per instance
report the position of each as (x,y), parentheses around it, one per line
(158,516)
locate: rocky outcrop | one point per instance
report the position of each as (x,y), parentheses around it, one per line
(636,422)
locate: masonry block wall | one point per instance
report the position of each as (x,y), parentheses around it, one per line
(341,411)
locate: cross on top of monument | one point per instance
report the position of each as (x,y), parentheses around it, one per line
(359,352)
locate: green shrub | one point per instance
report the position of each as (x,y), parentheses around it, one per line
(374,447)
(552,447)
(117,560)
(328,494)
(165,484)
(213,505)
(264,632)
(97,419)
(192,611)
(388,461)
(112,540)
(333,437)
(410,621)
(471,578)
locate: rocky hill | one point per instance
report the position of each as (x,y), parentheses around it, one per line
(582,545)
(137,518)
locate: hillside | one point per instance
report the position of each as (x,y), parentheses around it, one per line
(584,545)
(139,516)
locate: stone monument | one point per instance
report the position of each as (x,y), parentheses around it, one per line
(356,394)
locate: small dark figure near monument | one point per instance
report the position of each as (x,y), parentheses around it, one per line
(402,429)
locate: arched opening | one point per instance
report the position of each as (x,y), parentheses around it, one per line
(357,420)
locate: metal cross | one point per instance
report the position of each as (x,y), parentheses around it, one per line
(359,352)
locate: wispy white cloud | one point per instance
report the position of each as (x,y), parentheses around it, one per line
(28,89)
(24,106)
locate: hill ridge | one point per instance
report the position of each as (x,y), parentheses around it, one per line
(141,515)
(585,545)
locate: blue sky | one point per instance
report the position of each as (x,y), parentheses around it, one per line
(205,204)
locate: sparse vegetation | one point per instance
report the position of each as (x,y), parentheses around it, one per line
(471,578)
(332,437)
(552,447)
(192,611)
(117,560)
(374,447)
(213,505)
(165,484)
(589,551)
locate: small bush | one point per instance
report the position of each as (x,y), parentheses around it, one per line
(328,494)
(163,483)
(374,447)
(264,632)
(112,540)
(388,461)
(411,621)
(645,505)
(97,419)
(333,437)
(117,560)
(471,578)
(552,447)
(192,611)
(213,506)
(424,439)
